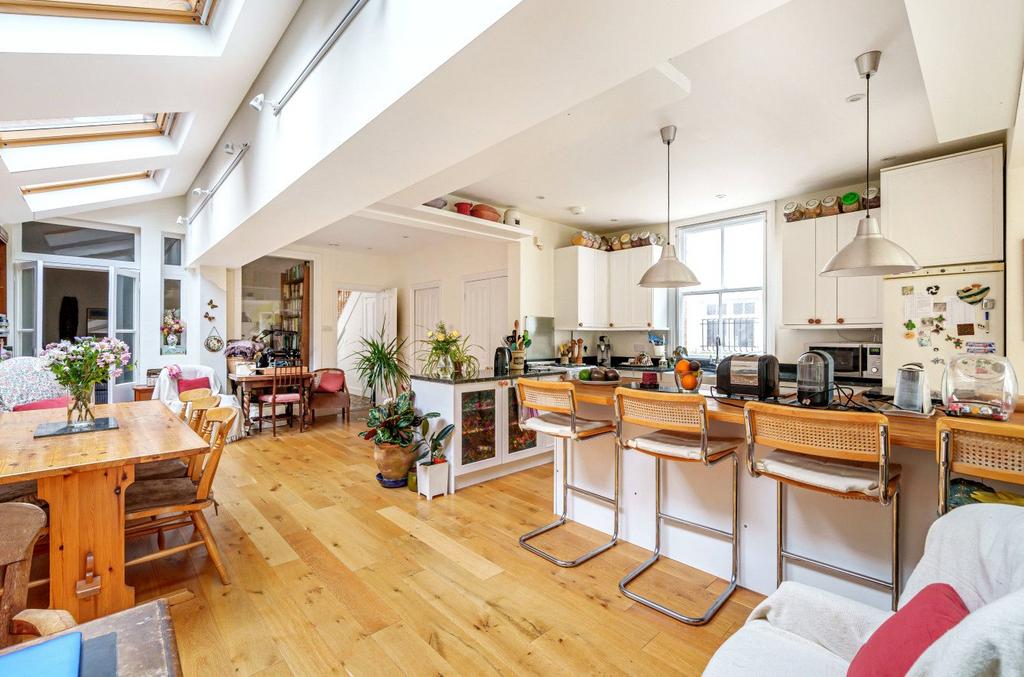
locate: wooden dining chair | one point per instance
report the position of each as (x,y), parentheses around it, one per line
(22,525)
(188,397)
(287,388)
(156,506)
(193,410)
(198,409)
(991,450)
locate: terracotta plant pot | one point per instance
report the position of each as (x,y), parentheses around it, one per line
(393,461)
(463,207)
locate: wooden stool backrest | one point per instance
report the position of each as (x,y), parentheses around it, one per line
(20,527)
(216,428)
(679,412)
(198,411)
(190,396)
(287,378)
(991,450)
(555,396)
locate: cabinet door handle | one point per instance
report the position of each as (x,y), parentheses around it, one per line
(648,324)
(581,324)
(611,324)
(839,320)
(817,320)
(810,320)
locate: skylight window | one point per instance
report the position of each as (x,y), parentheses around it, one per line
(169,11)
(85,128)
(84,183)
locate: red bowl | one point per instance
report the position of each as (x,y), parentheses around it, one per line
(463,207)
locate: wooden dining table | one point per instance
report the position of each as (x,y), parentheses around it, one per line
(253,385)
(83,478)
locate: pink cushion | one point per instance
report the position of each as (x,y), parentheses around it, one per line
(282,398)
(54,403)
(331,382)
(898,642)
(186,384)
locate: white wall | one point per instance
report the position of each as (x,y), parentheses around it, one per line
(1015,242)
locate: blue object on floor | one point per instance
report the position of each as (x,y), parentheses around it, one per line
(57,657)
(392,484)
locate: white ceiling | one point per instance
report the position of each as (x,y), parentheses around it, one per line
(360,234)
(766,118)
(58,67)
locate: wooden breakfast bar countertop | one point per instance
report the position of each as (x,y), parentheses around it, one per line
(904,431)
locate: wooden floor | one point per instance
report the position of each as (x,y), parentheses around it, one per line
(331,574)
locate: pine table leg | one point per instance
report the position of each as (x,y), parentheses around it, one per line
(87,541)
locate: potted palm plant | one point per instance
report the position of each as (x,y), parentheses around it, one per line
(380,365)
(394,428)
(432,470)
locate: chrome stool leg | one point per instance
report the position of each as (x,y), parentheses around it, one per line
(732,536)
(566,487)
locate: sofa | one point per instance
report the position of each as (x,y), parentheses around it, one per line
(23,380)
(976,549)
(166,390)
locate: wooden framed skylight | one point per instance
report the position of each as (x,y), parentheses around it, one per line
(84,183)
(15,133)
(168,11)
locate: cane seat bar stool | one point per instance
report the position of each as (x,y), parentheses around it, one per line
(840,453)
(681,436)
(158,506)
(990,450)
(553,405)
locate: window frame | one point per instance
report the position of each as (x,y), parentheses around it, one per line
(111,9)
(719,222)
(35,189)
(61,259)
(78,134)
(172,272)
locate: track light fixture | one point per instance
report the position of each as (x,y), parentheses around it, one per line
(182,221)
(199,192)
(230,148)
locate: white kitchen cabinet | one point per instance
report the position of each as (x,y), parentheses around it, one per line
(813,300)
(947,210)
(581,288)
(600,290)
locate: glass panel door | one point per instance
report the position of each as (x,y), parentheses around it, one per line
(519,440)
(479,427)
(124,304)
(29,282)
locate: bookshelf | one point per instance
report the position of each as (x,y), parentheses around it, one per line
(295,305)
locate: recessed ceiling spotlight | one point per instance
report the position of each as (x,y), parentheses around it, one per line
(854,98)
(333,244)
(720,195)
(614,220)
(405,237)
(578,210)
(540,197)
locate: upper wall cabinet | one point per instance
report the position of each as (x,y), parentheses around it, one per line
(599,290)
(812,300)
(947,210)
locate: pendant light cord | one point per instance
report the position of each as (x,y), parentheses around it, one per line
(668,192)
(867,147)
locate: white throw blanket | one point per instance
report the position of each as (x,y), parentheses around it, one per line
(167,391)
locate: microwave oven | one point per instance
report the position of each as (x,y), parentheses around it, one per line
(854,360)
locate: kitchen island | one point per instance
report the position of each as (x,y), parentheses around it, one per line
(487,442)
(854,534)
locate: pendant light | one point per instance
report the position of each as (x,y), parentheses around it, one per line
(870,253)
(669,271)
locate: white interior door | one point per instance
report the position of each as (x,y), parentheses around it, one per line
(29,297)
(426,313)
(485,315)
(124,314)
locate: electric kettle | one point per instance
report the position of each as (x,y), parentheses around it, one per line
(502,361)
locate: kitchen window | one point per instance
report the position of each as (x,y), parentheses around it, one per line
(725,313)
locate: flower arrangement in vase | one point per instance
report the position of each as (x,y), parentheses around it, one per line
(80,365)
(447,354)
(172,328)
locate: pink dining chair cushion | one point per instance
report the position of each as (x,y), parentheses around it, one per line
(53,403)
(186,384)
(331,382)
(282,398)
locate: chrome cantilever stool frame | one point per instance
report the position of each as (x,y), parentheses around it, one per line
(831,436)
(559,400)
(686,416)
(978,448)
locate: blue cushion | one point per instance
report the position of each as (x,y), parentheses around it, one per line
(57,657)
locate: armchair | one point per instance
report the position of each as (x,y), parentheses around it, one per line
(330,394)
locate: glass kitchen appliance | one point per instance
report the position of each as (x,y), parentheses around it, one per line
(815,379)
(984,386)
(912,390)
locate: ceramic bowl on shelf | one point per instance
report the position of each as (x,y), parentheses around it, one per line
(487,212)
(437,203)
(463,207)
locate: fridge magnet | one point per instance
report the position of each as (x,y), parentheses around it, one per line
(935,350)
(966,329)
(938,307)
(957,342)
(909,335)
(988,304)
(981,347)
(909,324)
(927,321)
(907,291)
(932,289)
(973,294)
(924,339)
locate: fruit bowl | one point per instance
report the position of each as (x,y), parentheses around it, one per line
(687,379)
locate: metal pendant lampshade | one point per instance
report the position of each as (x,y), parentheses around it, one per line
(668,272)
(870,253)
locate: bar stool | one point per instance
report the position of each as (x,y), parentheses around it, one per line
(682,437)
(558,400)
(839,453)
(987,449)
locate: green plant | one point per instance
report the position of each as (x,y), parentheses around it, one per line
(448,345)
(435,444)
(395,421)
(380,364)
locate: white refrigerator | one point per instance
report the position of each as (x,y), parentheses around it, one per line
(937,312)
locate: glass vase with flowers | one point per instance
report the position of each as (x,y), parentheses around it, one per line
(447,354)
(80,364)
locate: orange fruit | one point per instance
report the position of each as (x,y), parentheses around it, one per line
(688,381)
(682,366)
